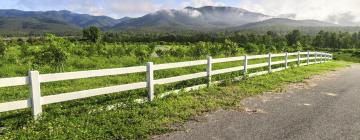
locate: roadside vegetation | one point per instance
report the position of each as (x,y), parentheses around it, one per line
(116,116)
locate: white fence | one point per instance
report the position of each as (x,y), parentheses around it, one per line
(35,79)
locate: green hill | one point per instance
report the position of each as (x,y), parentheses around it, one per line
(21,26)
(282,25)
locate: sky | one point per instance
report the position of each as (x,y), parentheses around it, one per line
(335,11)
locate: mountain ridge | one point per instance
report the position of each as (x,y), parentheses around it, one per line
(80,20)
(206,18)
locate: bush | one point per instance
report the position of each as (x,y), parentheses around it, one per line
(272,49)
(52,53)
(2,47)
(229,48)
(12,55)
(200,49)
(252,48)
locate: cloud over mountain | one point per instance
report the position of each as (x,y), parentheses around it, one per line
(329,10)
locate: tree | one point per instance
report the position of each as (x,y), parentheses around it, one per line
(229,47)
(319,40)
(298,46)
(52,53)
(200,49)
(92,34)
(252,48)
(293,37)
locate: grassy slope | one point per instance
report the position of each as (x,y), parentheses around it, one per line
(107,117)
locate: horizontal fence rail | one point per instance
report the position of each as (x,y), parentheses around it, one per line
(35,79)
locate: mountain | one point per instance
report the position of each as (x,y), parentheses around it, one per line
(283,25)
(207,18)
(190,18)
(21,26)
(80,20)
(286,22)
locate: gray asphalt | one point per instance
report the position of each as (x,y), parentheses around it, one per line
(326,108)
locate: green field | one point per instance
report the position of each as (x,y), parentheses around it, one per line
(117,116)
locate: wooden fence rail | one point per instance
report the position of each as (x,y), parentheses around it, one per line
(34,79)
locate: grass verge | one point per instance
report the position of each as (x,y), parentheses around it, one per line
(130,120)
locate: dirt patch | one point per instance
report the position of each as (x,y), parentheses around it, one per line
(312,81)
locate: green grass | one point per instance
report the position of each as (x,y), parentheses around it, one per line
(93,118)
(346,56)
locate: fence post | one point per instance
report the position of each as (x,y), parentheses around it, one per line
(316,57)
(245,66)
(321,57)
(298,58)
(328,58)
(269,62)
(150,80)
(325,57)
(208,70)
(308,58)
(35,93)
(286,60)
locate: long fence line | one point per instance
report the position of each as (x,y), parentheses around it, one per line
(34,79)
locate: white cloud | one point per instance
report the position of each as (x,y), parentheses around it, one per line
(191,13)
(336,11)
(130,7)
(343,19)
(199,3)
(305,9)
(114,8)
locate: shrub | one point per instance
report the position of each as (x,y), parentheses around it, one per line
(2,47)
(52,53)
(252,48)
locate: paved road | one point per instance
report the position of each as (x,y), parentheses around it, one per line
(325,108)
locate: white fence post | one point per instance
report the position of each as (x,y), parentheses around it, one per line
(327,57)
(208,70)
(308,58)
(245,66)
(316,57)
(35,93)
(269,62)
(150,80)
(298,58)
(286,60)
